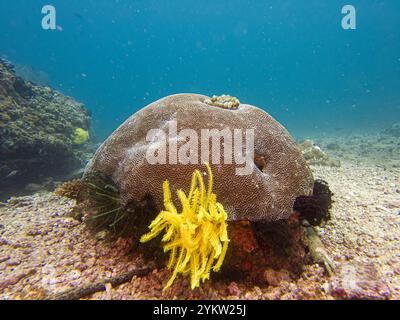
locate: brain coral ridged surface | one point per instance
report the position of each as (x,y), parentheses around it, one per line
(268,193)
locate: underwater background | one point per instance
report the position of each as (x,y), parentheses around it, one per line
(290,57)
(319,218)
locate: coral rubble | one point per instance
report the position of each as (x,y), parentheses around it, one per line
(315,156)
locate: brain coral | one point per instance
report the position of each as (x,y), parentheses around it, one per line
(268,193)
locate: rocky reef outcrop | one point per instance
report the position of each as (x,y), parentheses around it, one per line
(42,134)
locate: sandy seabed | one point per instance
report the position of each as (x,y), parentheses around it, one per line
(43,250)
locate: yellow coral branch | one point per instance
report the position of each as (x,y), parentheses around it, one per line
(197,238)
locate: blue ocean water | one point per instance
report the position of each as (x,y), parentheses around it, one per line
(292,58)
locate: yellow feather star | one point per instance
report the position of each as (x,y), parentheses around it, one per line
(196,238)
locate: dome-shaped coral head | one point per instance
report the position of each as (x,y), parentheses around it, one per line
(197,238)
(258,167)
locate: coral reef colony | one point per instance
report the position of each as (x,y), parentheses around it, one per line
(320,222)
(44,135)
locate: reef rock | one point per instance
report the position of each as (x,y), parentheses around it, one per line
(360,280)
(279,172)
(37,131)
(315,156)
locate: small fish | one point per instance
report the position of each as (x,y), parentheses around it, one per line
(78,15)
(12,174)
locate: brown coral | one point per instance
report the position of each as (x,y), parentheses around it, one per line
(267,193)
(69,189)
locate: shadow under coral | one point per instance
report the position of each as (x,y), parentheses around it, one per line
(257,247)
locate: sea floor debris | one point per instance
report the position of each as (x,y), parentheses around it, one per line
(315,156)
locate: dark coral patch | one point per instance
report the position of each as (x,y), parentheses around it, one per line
(315,208)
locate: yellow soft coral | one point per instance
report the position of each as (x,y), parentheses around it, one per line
(80,136)
(197,238)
